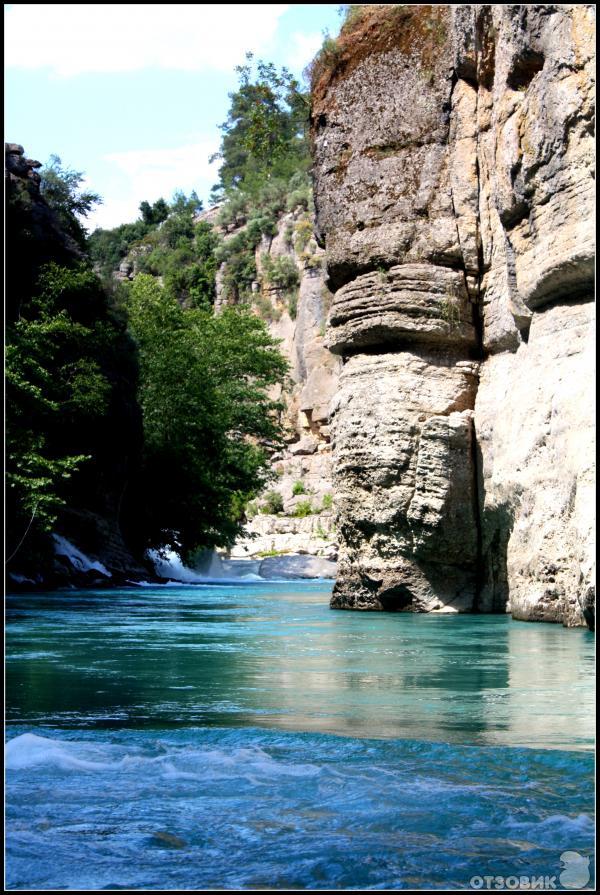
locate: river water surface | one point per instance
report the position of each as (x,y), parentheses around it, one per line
(246,736)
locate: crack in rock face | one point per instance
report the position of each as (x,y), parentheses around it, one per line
(454,193)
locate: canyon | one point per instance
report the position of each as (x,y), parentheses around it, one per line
(438,417)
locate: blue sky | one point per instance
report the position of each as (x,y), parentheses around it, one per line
(133,94)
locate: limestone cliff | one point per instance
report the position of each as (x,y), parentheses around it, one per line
(297,317)
(453,151)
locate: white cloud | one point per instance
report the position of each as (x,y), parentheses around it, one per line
(71,39)
(152,173)
(147,163)
(304,49)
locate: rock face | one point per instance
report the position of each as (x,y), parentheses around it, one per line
(296,567)
(453,152)
(404,482)
(303,480)
(29,210)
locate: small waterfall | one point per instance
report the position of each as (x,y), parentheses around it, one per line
(210,568)
(78,560)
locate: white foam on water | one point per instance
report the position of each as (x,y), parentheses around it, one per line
(78,560)
(20,579)
(29,751)
(213,571)
(555,827)
(168,564)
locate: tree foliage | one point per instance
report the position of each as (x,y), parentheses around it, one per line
(208,418)
(90,364)
(154,214)
(61,188)
(167,242)
(108,247)
(265,134)
(63,358)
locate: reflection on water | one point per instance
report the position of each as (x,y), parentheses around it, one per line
(275,656)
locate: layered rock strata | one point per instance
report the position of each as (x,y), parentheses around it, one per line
(454,187)
(297,319)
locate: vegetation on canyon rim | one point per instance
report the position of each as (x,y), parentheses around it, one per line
(138,387)
(371,28)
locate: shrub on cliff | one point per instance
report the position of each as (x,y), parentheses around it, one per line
(265,134)
(303,508)
(107,248)
(273,503)
(280,271)
(166,242)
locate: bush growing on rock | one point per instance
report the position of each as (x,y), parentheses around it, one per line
(293,304)
(303,508)
(303,232)
(273,503)
(298,199)
(280,271)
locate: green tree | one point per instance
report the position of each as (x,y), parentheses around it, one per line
(63,357)
(154,214)
(61,188)
(208,419)
(265,134)
(107,248)
(165,250)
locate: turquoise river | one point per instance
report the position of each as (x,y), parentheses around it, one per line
(244,736)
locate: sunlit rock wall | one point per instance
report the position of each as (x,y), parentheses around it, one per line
(297,318)
(453,151)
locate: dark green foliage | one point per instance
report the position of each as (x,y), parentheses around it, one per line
(154,214)
(208,420)
(179,226)
(265,135)
(60,187)
(67,360)
(265,167)
(70,370)
(209,425)
(173,247)
(273,503)
(108,247)
(240,270)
